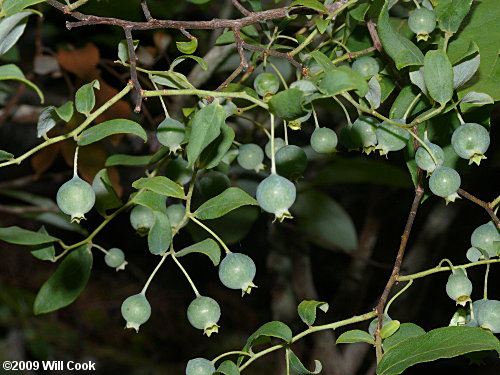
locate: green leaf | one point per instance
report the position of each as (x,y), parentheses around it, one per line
(325,221)
(123,53)
(444,342)
(401,50)
(477,98)
(151,199)
(122,159)
(229,200)
(4,155)
(452,14)
(374,94)
(389,329)
(208,247)
(321,24)
(187,47)
(160,234)
(405,331)
(13,6)
(307,310)
(358,11)
(215,151)
(355,335)
(66,284)
(299,368)
(438,75)
(85,97)
(45,251)
(46,121)
(205,128)
(172,79)
(313,4)
(106,197)
(180,59)
(11,29)
(22,236)
(343,79)
(12,72)
(107,128)
(287,104)
(464,71)
(228,368)
(323,60)
(161,185)
(404,99)
(271,329)
(65,112)
(198,1)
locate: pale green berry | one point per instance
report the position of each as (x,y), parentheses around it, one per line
(200,366)
(251,156)
(366,66)
(323,140)
(445,182)
(171,133)
(142,218)
(204,313)
(470,141)
(115,258)
(175,213)
(236,271)
(459,288)
(425,161)
(278,144)
(136,310)
(266,83)
(276,195)
(487,238)
(75,197)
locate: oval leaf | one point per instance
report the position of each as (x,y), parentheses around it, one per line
(307,310)
(46,121)
(11,29)
(451,14)
(313,4)
(271,329)
(299,368)
(344,79)
(160,234)
(438,75)
(13,6)
(355,335)
(178,60)
(153,200)
(106,197)
(374,94)
(389,329)
(229,200)
(187,47)
(66,284)
(105,129)
(122,159)
(324,61)
(161,185)
(12,72)
(22,236)
(465,70)
(228,368)
(208,247)
(477,98)
(215,151)
(405,331)
(45,251)
(4,155)
(287,104)
(85,97)
(65,112)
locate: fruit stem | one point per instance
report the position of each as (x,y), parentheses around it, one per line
(386,310)
(485,291)
(273,159)
(424,145)
(161,99)
(315,115)
(214,361)
(278,73)
(344,109)
(174,257)
(445,260)
(416,4)
(211,232)
(150,278)
(287,359)
(99,247)
(410,107)
(285,130)
(459,116)
(75,163)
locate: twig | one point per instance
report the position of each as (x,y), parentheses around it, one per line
(16,210)
(12,102)
(271,52)
(373,34)
(133,69)
(241,8)
(481,203)
(145,10)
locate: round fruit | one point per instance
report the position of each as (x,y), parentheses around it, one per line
(214,183)
(141,218)
(75,197)
(486,237)
(204,313)
(200,366)
(136,310)
(391,137)
(236,271)
(366,66)
(470,141)
(115,258)
(266,83)
(291,161)
(459,287)
(276,195)
(171,133)
(178,171)
(445,182)
(425,161)
(363,133)
(324,140)
(175,213)
(374,323)
(488,315)
(278,143)
(422,22)
(251,156)
(307,87)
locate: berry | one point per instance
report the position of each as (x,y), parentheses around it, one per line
(278,143)
(307,87)
(470,141)
(141,219)
(459,288)
(445,182)
(136,310)
(291,161)
(175,213)
(422,22)
(115,258)
(425,161)
(177,171)
(276,195)
(391,137)
(214,183)
(75,197)
(475,311)
(366,66)
(488,315)
(324,140)
(363,133)
(251,156)
(266,83)
(171,133)
(236,271)
(200,366)
(374,323)
(486,237)
(204,313)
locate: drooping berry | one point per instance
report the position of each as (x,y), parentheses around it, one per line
(251,156)
(276,195)
(422,22)
(366,66)
(75,197)
(171,133)
(136,310)
(425,161)
(266,83)
(391,137)
(175,213)
(291,161)
(488,315)
(324,140)
(459,288)
(204,313)
(278,144)
(363,133)
(470,141)
(236,271)
(115,258)
(444,183)
(142,219)
(487,238)
(200,366)
(213,183)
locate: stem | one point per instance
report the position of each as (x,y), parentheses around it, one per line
(495,202)
(184,272)
(386,310)
(483,204)
(447,261)
(212,233)
(150,278)
(75,163)
(287,360)
(485,291)
(228,354)
(161,99)
(285,131)
(344,109)
(424,145)
(99,248)
(410,107)
(418,275)
(282,79)
(315,115)
(273,158)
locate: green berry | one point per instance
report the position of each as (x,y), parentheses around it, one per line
(171,133)
(488,315)
(391,137)
(251,156)
(422,22)
(266,83)
(459,288)
(204,313)
(363,133)
(178,171)
(425,161)
(175,213)
(291,161)
(213,183)
(445,182)
(115,258)
(236,271)
(141,219)
(374,323)
(278,144)
(487,238)
(324,140)
(470,141)
(366,66)
(75,197)
(276,195)
(200,366)
(136,311)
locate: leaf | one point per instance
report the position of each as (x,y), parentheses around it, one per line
(404,99)
(107,128)
(172,79)
(215,151)
(444,342)
(4,155)
(161,185)
(65,112)
(405,331)
(325,221)
(45,251)
(401,50)
(154,201)
(228,368)
(299,368)
(11,29)
(203,64)
(464,71)
(208,247)
(374,94)
(85,97)
(106,197)
(12,72)
(187,47)
(321,24)
(271,329)
(160,234)
(313,4)
(343,79)
(229,200)
(287,104)
(66,284)
(205,128)
(477,98)
(452,14)
(122,159)
(438,75)
(307,310)
(417,78)
(123,53)
(46,121)
(355,335)
(13,6)
(389,329)
(22,236)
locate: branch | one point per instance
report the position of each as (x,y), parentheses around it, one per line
(479,202)
(133,69)
(241,8)
(271,52)
(145,10)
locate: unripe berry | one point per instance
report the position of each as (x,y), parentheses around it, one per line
(445,182)
(75,197)
(324,140)
(200,366)
(115,258)
(276,195)
(171,133)
(236,271)
(204,313)
(459,288)
(175,213)
(136,310)
(141,219)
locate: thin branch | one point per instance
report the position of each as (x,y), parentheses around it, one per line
(241,8)
(271,52)
(145,10)
(133,69)
(481,203)
(186,33)
(17,210)
(12,102)
(373,34)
